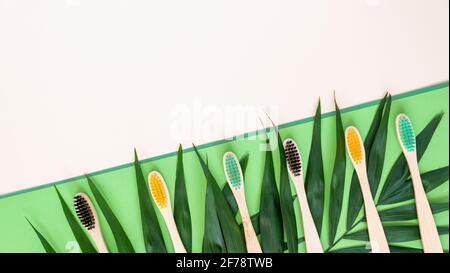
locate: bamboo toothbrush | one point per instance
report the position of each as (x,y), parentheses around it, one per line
(88,217)
(294,162)
(161,197)
(355,149)
(428,231)
(233,173)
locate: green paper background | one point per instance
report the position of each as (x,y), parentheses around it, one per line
(118,184)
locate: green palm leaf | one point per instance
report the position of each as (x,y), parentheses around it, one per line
(181,211)
(45,244)
(399,171)
(430,181)
(337,179)
(213,241)
(244,162)
(314,180)
(270,218)
(366,249)
(355,200)
(395,234)
(287,207)
(378,150)
(353,249)
(82,238)
(408,212)
(152,234)
(403,249)
(395,188)
(123,243)
(232,235)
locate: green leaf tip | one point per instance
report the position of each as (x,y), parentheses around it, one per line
(45,244)
(314,179)
(287,207)
(337,179)
(270,217)
(182,214)
(151,231)
(230,230)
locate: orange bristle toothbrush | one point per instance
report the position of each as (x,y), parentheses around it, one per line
(355,149)
(161,197)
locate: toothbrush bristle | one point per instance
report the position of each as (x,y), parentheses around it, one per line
(406,133)
(84,212)
(354,145)
(157,190)
(293,157)
(232,168)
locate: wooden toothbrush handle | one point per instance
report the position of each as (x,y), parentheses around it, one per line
(377,236)
(251,240)
(428,230)
(312,239)
(173,231)
(99,241)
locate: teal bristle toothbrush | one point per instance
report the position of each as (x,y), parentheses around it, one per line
(235,179)
(428,231)
(294,162)
(88,217)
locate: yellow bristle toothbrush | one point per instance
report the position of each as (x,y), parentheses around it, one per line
(428,231)
(161,197)
(294,162)
(88,217)
(235,178)
(355,149)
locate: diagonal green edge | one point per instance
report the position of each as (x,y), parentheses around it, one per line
(407,94)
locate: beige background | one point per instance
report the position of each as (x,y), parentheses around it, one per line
(83,82)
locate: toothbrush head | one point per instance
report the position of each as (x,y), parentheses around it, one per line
(405,133)
(233,170)
(355,146)
(158,189)
(85,211)
(293,157)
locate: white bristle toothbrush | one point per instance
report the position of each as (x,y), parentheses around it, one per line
(428,231)
(161,197)
(295,167)
(356,151)
(88,217)
(235,178)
